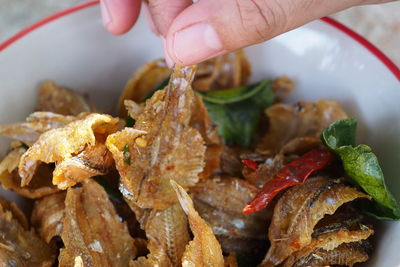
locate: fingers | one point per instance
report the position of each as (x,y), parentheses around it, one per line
(149,18)
(163,12)
(209,28)
(119,15)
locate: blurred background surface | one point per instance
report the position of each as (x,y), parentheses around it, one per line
(380,24)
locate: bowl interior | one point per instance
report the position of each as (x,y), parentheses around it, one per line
(77,52)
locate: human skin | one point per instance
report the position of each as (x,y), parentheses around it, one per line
(193,32)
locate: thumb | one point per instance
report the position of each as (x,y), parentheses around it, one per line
(164,12)
(209,28)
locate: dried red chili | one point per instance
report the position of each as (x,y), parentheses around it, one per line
(251,164)
(296,172)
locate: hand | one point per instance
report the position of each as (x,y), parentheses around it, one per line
(193,32)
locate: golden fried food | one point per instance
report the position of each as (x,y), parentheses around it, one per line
(329,238)
(302,119)
(167,232)
(17,214)
(11,160)
(19,246)
(48,215)
(61,100)
(299,210)
(169,149)
(134,109)
(220,201)
(282,86)
(37,123)
(222,72)
(63,143)
(92,161)
(92,231)
(201,121)
(347,254)
(40,184)
(204,249)
(170,181)
(142,82)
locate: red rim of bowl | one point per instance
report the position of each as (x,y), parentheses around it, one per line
(355,36)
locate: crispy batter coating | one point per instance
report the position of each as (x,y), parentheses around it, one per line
(18,246)
(302,119)
(299,210)
(204,249)
(170,149)
(61,100)
(63,143)
(10,180)
(48,216)
(220,201)
(93,231)
(168,235)
(35,124)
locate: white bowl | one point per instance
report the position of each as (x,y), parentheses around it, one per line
(326,60)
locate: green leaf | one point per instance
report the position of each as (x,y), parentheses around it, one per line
(233,95)
(341,133)
(237,111)
(369,208)
(362,167)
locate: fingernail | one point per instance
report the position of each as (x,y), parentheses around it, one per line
(196,43)
(149,19)
(105,13)
(168,59)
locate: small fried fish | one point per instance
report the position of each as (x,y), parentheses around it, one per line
(169,148)
(63,143)
(204,249)
(93,231)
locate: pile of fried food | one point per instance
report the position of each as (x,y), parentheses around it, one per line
(159,186)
